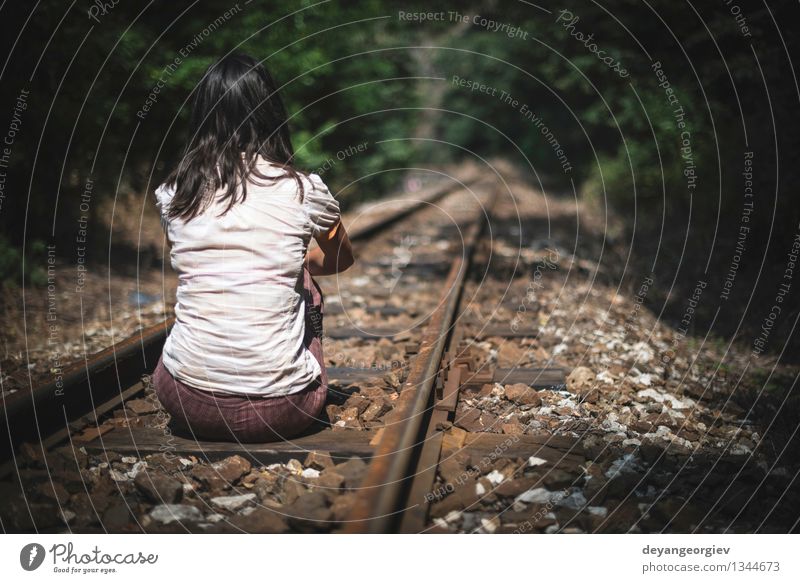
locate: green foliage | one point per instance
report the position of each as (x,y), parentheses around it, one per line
(12,263)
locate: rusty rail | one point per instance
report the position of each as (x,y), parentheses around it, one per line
(48,408)
(377,508)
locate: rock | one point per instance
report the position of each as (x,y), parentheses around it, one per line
(232,468)
(575,501)
(510,355)
(349,423)
(159,487)
(136,468)
(141,406)
(463,497)
(513,428)
(54,491)
(623,518)
(522,394)
(117,516)
(373,393)
(355,402)
(222,474)
(453,516)
(319,460)
(485,490)
(579,379)
(495,477)
(45,515)
(292,490)
(691,435)
(266,486)
(340,508)
(453,467)
(249,480)
(652,449)
(537,496)
(294,466)
(556,479)
(596,487)
(475,421)
(642,426)
(209,478)
(375,410)
(665,398)
(628,463)
(166,462)
(14,509)
(350,415)
(233,503)
(677,513)
(168,513)
(310,509)
(118,476)
(490,525)
(470,521)
(534,516)
(515,487)
(467,418)
(582,382)
(260,520)
(622,485)
(334,412)
(392,379)
(329,482)
(352,471)
(32,454)
(68,516)
(71,456)
(88,509)
(310,473)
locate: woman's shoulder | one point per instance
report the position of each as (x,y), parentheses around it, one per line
(315,182)
(312,182)
(164,192)
(320,203)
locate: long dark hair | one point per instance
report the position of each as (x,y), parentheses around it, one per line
(237,115)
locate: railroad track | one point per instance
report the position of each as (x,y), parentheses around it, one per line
(395,433)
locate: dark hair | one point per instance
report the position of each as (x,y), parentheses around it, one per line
(237,115)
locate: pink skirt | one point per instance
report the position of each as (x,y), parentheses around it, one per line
(232,417)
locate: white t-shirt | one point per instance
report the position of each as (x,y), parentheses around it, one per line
(240,313)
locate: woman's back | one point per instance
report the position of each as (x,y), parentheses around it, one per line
(240,312)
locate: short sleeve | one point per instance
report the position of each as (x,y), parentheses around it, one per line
(164,195)
(322,207)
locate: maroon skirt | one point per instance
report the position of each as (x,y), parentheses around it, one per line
(231,417)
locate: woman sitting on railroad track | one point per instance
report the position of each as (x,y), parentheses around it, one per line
(244,358)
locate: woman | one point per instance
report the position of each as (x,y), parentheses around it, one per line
(244,359)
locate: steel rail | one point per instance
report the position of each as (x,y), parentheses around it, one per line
(83,387)
(377,508)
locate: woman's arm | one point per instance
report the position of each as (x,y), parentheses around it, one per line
(333,254)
